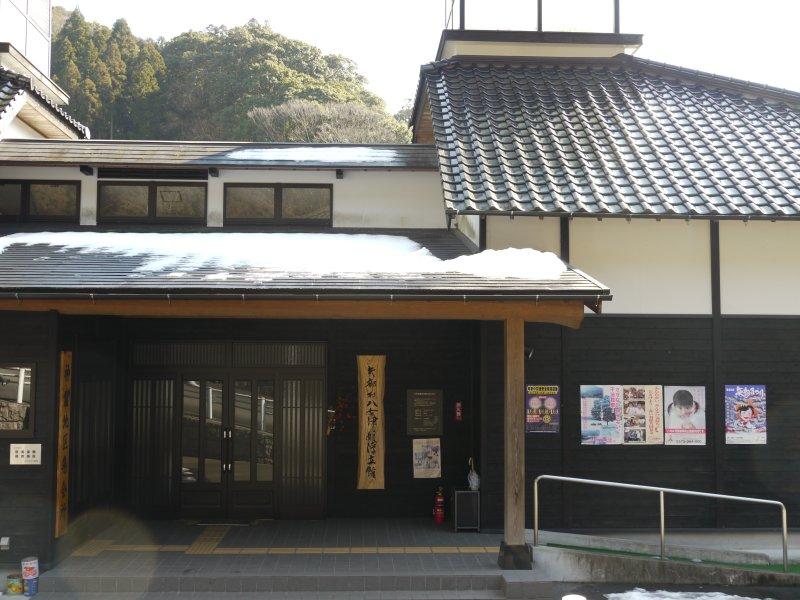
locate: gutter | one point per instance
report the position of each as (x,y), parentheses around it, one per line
(92,297)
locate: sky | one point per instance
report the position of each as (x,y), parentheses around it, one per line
(389,40)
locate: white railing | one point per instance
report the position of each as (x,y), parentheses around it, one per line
(661,491)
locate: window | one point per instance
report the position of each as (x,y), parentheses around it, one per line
(151,201)
(39,200)
(253,203)
(16,400)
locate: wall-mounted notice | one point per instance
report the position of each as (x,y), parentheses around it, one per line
(642,408)
(684,415)
(745,414)
(601,414)
(427,458)
(424,412)
(542,409)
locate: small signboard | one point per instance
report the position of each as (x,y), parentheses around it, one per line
(25,454)
(424,412)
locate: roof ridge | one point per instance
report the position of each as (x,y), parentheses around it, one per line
(721,81)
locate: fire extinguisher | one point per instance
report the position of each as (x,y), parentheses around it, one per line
(438,506)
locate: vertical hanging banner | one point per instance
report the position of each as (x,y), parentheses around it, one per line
(601,415)
(371,426)
(745,414)
(684,415)
(642,414)
(62,454)
(542,409)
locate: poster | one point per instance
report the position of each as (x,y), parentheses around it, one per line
(745,414)
(371,426)
(601,414)
(684,415)
(62,450)
(424,412)
(427,458)
(542,409)
(642,412)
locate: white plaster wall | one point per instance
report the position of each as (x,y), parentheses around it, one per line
(360,199)
(652,267)
(88,184)
(760,267)
(470,226)
(524,232)
(16,130)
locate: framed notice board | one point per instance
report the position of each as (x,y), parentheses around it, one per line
(424,412)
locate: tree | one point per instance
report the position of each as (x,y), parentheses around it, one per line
(313,122)
(217,76)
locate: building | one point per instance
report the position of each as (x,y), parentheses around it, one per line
(214,315)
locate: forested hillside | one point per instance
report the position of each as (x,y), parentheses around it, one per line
(206,85)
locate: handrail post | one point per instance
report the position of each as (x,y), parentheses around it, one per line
(536,512)
(662,527)
(785,539)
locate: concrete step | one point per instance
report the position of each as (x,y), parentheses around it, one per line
(326,583)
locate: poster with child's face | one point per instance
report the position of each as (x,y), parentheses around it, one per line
(745,414)
(641,414)
(684,415)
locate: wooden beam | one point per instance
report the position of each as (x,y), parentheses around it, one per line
(561,312)
(514,552)
(514,439)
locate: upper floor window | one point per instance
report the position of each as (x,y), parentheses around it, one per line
(39,201)
(151,201)
(255,203)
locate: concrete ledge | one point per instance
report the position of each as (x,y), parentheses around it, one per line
(557,564)
(687,552)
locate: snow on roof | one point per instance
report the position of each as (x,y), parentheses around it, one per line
(306,253)
(319,154)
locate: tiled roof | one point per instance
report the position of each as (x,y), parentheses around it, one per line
(12,85)
(45,268)
(619,136)
(122,153)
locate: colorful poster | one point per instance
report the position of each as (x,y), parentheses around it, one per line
(542,409)
(684,415)
(745,414)
(601,414)
(371,427)
(642,409)
(427,458)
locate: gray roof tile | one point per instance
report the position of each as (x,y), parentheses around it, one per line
(618,136)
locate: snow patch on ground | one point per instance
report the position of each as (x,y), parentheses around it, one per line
(640,594)
(312,254)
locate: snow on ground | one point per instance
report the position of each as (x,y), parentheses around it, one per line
(640,594)
(307,253)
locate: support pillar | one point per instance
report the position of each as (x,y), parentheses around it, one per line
(514,552)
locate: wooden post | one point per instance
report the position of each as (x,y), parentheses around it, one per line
(514,552)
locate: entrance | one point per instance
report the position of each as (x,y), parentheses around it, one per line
(252,445)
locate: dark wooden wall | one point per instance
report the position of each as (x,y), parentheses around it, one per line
(27,493)
(420,354)
(653,350)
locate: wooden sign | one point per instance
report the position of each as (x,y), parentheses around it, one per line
(371,426)
(62,454)
(424,412)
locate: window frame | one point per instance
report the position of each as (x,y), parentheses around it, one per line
(152,218)
(278,218)
(31,430)
(25,216)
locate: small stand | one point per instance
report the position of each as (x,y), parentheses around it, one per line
(466,510)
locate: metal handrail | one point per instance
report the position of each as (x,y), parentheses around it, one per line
(661,491)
